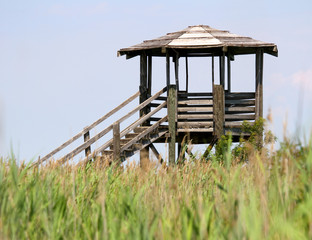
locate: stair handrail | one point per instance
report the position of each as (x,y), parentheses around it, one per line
(103,132)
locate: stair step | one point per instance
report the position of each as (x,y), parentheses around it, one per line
(124,140)
(140,129)
(131,135)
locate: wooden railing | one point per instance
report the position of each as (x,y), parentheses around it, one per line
(85,132)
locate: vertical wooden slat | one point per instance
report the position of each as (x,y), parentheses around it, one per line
(229,72)
(116,141)
(149,76)
(212,70)
(222,69)
(167,68)
(86,137)
(172,103)
(259,83)
(176,66)
(218,110)
(186,74)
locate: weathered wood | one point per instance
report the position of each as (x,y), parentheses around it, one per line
(194,124)
(143,80)
(176,68)
(239,109)
(195,101)
(212,70)
(235,124)
(240,95)
(86,137)
(172,103)
(259,83)
(87,129)
(195,129)
(242,102)
(167,68)
(195,116)
(239,117)
(186,74)
(195,109)
(149,76)
(222,69)
(229,72)
(218,110)
(116,142)
(144,133)
(195,94)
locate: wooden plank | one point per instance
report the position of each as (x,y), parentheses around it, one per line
(229,72)
(193,94)
(235,124)
(172,104)
(195,109)
(208,102)
(239,117)
(87,129)
(195,129)
(212,70)
(116,142)
(186,74)
(194,124)
(218,110)
(242,102)
(195,116)
(167,67)
(239,109)
(222,69)
(176,66)
(240,95)
(143,81)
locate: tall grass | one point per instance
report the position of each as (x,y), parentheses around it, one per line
(267,198)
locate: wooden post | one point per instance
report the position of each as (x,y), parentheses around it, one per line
(212,71)
(259,85)
(229,72)
(176,68)
(186,75)
(218,110)
(116,142)
(222,69)
(149,84)
(86,137)
(144,153)
(172,104)
(168,68)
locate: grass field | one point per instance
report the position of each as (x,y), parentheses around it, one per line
(268,197)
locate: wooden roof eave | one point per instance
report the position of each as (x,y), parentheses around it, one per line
(196,51)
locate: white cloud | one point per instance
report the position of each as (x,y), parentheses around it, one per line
(303,79)
(78,10)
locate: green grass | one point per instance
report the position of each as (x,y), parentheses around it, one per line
(268,198)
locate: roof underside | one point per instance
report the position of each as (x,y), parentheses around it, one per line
(199,40)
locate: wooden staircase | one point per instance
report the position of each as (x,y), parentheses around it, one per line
(125,143)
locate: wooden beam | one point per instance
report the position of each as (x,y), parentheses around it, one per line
(229,72)
(186,74)
(212,70)
(116,142)
(176,68)
(218,110)
(222,69)
(167,68)
(86,137)
(259,83)
(172,103)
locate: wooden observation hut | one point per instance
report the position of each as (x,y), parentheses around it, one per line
(201,116)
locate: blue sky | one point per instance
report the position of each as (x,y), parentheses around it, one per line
(59,70)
